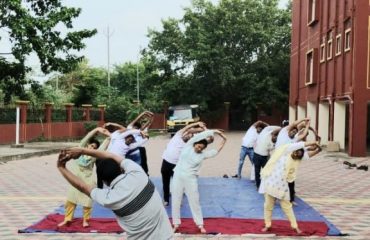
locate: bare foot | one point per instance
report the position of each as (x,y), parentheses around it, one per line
(297,230)
(202,230)
(64,223)
(85,224)
(175,228)
(265,229)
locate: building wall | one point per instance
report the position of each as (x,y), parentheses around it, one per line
(343,78)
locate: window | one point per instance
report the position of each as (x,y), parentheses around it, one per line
(347,40)
(312,16)
(311,71)
(338,45)
(322,51)
(329,53)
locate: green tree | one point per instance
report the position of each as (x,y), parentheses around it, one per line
(235,51)
(35,26)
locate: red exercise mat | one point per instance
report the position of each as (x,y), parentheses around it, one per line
(232,226)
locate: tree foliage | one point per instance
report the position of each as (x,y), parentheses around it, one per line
(236,51)
(34,26)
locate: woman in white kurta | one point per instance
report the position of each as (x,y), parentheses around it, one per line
(185,178)
(83,168)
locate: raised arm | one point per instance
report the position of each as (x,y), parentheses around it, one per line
(296,123)
(116,125)
(88,136)
(103,131)
(260,123)
(303,134)
(145,114)
(66,155)
(192,125)
(200,136)
(313,149)
(77,152)
(223,137)
(148,123)
(70,177)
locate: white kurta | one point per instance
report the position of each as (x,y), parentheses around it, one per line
(276,183)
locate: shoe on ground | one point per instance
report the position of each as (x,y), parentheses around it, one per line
(225,176)
(236,176)
(363,167)
(165,203)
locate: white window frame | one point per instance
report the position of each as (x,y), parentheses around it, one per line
(329,49)
(323,52)
(312,16)
(347,40)
(338,45)
(310,76)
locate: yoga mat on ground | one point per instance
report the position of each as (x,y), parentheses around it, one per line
(223,198)
(213,225)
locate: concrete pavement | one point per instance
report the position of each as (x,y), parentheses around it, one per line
(32,188)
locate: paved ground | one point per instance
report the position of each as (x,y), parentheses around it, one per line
(32,188)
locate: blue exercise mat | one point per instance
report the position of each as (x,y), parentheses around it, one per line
(230,198)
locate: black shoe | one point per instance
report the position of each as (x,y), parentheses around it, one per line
(363,167)
(225,176)
(347,163)
(235,176)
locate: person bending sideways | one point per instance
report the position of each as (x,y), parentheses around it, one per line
(130,195)
(185,178)
(278,172)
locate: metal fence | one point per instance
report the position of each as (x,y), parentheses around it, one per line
(7,115)
(35,115)
(58,115)
(94,115)
(78,114)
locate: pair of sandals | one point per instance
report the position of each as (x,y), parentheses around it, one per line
(267,229)
(353,165)
(201,229)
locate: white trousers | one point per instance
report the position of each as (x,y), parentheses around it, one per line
(187,184)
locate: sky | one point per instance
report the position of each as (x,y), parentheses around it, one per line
(128,23)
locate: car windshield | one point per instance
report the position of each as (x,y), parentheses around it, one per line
(180,114)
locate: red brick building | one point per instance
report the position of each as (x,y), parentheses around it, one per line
(329,75)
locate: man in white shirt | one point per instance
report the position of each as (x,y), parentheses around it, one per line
(265,144)
(288,134)
(249,140)
(141,122)
(121,141)
(131,195)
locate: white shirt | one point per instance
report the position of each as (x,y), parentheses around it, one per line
(173,149)
(283,138)
(190,162)
(138,137)
(117,143)
(250,137)
(264,144)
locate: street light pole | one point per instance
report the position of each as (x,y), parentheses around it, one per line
(137,77)
(108,35)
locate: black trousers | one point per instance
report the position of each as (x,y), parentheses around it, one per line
(144,160)
(291,190)
(259,162)
(167,173)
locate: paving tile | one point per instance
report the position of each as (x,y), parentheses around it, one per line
(32,188)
